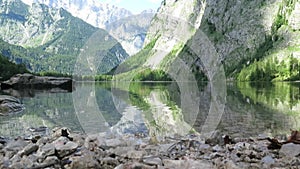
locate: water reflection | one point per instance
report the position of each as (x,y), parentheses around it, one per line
(157,109)
(44,109)
(162,109)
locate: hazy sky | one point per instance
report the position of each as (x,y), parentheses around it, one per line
(135,6)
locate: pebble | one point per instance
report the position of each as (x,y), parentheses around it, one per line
(152,161)
(46,150)
(66,149)
(70,151)
(218,148)
(268,160)
(30,148)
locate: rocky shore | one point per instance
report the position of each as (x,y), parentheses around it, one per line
(64,149)
(29,81)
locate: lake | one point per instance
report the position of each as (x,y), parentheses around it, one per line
(160,109)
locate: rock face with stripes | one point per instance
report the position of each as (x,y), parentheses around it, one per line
(9,104)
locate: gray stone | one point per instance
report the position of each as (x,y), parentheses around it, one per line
(267,160)
(191,164)
(217,148)
(215,155)
(121,166)
(46,150)
(152,161)
(109,161)
(9,104)
(264,136)
(114,142)
(204,148)
(16,165)
(16,145)
(242,146)
(16,158)
(78,138)
(260,147)
(18,162)
(21,81)
(58,132)
(231,165)
(138,165)
(43,141)
(60,141)
(164,147)
(91,142)
(51,160)
(30,148)
(66,149)
(290,150)
(48,162)
(135,154)
(87,160)
(120,151)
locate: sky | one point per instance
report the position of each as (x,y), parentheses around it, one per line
(135,6)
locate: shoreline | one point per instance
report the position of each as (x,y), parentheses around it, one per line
(66,149)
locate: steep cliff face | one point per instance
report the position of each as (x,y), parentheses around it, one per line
(281,60)
(239,30)
(51,39)
(175,23)
(244,32)
(234,33)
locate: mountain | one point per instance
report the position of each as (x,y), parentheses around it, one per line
(51,39)
(171,28)
(92,11)
(129,29)
(222,36)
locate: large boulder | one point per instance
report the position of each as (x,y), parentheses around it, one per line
(21,81)
(9,104)
(290,150)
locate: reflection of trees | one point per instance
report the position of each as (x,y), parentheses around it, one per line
(244,116)
(283,96)
(57,108)
(44,109)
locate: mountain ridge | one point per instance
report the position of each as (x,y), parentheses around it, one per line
(53,38)
(131,34)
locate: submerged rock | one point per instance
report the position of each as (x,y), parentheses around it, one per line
(9,104)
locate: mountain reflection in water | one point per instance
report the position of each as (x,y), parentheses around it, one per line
(155,109)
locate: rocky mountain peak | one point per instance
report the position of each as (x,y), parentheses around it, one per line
(108,17)
(92,11)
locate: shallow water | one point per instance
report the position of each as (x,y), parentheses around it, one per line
(160,109)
